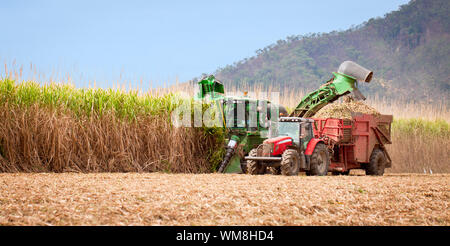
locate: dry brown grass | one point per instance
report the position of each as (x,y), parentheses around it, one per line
(215,199)
(36,139)
(419,153)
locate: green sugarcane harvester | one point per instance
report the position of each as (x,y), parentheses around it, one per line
(243,137)
(246,119)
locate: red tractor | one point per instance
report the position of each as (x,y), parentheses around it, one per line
(319,146)
(294,149)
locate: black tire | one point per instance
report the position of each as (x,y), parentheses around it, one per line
(320,161)
(341,173)
(244,166)
(377,163)
(290,162)
(254,167)
(274,170)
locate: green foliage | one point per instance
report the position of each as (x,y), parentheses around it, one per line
(408,48)
(436,128)
(85,101)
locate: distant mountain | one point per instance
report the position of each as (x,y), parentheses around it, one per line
(408,50)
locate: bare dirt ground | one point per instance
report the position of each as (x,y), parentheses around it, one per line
(216,199)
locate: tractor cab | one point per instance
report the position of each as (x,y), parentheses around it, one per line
(296,128)
(291,147)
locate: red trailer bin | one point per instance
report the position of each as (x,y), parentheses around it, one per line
(353,142)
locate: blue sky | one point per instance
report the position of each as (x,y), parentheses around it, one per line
(160,41)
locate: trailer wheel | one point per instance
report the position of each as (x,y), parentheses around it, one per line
(254,167)
(320,161)
(377,163)
(290,162)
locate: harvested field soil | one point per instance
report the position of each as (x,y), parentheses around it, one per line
(216,199)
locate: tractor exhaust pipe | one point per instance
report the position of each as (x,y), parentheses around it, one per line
(355,70)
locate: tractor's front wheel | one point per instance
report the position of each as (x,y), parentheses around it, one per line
(290,161)
(377,163)
(254,167)
(320,161)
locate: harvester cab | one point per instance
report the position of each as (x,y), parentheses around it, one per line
(290,149)
(210,88)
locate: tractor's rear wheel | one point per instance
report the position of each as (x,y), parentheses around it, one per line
(254,167)
(320,161)
(290,161)
(377,163)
